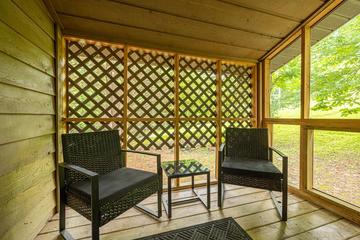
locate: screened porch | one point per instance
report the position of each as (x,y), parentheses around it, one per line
(171,77)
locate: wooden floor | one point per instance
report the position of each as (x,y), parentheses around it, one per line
(251,208)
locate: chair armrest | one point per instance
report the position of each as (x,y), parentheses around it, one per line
(284,159)
(221,154)
(78,169)
(94,178)
(157,155)
(278,152)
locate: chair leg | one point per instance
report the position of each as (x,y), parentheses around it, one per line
(281,209)
(62,226)
(221,194)
(95,222)
(62,214)
(62,229)
(159,196)
(95,232)
(149,211)
(284,203)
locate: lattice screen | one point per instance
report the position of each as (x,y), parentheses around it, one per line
(150,135)
(236,91)
(194,134)
(95,78)
(94,126)
(197,82)
(150,84)
(96,91)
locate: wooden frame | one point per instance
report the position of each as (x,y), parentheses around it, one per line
(308,125)
(305,135)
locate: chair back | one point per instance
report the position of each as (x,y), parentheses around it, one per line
(245,143)
(99,152)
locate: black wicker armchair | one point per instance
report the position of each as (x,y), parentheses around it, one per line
(95,182)
(246,159)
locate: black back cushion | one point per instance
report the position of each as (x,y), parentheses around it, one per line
(247,143)
(99,152)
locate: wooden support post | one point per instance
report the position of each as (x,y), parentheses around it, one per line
(125,94)
(266,89)
(66,108)
(58,104)
(177,115)
(266,96)
(259,117)
(254,99)
(218,113)
(60,99)
(305,134)
(305,72)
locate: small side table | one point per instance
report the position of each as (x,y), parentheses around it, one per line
(185,168)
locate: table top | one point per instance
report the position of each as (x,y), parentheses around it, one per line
(189,167)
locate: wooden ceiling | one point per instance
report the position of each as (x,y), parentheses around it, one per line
(229,29)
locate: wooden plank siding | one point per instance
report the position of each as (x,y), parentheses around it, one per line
(27,117)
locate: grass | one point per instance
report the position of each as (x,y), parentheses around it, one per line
(336,165)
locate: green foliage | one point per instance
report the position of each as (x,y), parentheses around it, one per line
(335,74)
(285,87)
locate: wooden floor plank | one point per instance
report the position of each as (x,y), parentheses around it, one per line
(176,195)
(233,198)
(355,238)
(294,226)
(271,216)
(251,208)
(151,202)
(339,230)
(186,218)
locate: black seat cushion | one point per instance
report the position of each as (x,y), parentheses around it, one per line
(251,167)
(114,184)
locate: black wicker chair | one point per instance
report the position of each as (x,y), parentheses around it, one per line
(95,182)
(246,159)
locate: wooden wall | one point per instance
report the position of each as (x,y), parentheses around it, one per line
(27,118)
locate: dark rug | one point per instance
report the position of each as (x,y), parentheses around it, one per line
(224,229)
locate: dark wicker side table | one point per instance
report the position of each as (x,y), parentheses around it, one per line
(185,168)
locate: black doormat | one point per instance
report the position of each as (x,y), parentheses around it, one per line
(224,229)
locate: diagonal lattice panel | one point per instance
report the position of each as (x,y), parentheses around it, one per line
(151,135)
(81,127)
(95,78)
(150,84)
(197,83)
(236,91)
(234,124)
(195,134)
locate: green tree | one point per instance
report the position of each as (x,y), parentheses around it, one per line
(335,74)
